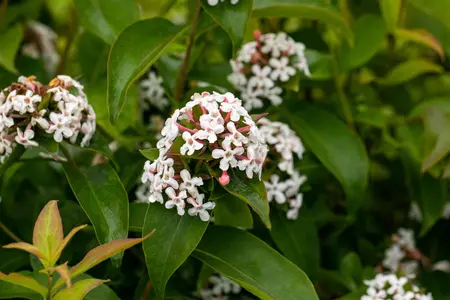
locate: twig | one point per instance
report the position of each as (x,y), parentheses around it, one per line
(147,291)
(184,68)
(10,233)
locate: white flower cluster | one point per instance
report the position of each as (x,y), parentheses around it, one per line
(403,254)
(263,65)
(221,288)
(284,145)
(215,2)
(28,106)
(214,126)
(151,92)
(389,286)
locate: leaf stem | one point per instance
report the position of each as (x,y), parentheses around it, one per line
(184,68)
(10,233)
(12,158)
(339,83)
(49,286)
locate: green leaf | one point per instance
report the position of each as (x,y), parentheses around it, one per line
(137,216)
(432,199)
(436,126)
(131,55)
(232,211)
(251,191)
(79,289)
(174,240)
(423,37)
(13,291)
(369,32)
(408,70)
(308,9)
(106,18)
(259,269)
(150,154)
(24,281)
(341,151)
(233,18)
(351,270)
(390,9)
(102,196)
(11,40)
(298,240)
(12,260)
(48,233)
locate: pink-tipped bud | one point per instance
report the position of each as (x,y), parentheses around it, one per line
(257,34)
(224,179)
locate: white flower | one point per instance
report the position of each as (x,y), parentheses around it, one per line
(446,211)
(392,257)
(176,200)
(191,144)
(407,239)
(443,265)
(190,183)
(5,144)
(275,189)
(60,126)
(25,138)
(294,207)
(38,118)
(220,288)
(152,92)
(199,208)
(281,69)
(261,79)
(215,2)
(25,103)
(236,137)
(227,155)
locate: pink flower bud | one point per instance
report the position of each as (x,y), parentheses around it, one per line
(257,34)
(225,178)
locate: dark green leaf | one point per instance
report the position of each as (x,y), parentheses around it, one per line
(308,9)
(298,240)
(340,150)
(232,211)
(10,45)
(251,191)
(102,196)
(137,216)
(409,70)
(259,269)
(150,154)
(173,241)
(233,18)
(131,56)
(351,271)
(106,18)
(432,199)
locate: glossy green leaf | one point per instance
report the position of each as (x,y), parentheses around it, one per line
(233,18)
(102,196)
(232,211)
(137,216)
(79,289)
(432,199)
(259,269)
(298,240)
(390,9)
(340,150)
(436,125)
(150,154)
(308,9)
(174,240)
(409,70)
(24,281)
(48,232)
(11,40)
(131,56)
(106,18)
(251,191)
(369,32)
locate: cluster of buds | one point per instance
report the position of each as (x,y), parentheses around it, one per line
(212,128)
(264,65)
(59,108)
(402,255)
(151,92)
(390,286)
(284,145)
(215,2)
(220,288)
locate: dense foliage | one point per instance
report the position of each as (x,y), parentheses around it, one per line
(242,149)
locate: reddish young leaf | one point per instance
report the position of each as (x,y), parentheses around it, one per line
(24,281)
(65,241)
(79,289)
(63,271)
(48,232)
(28,248)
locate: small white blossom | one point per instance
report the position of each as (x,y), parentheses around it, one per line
(275,189)
(176,200)
(152,92)
(215,2)
(220,287)
(25,138)
(201,209)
